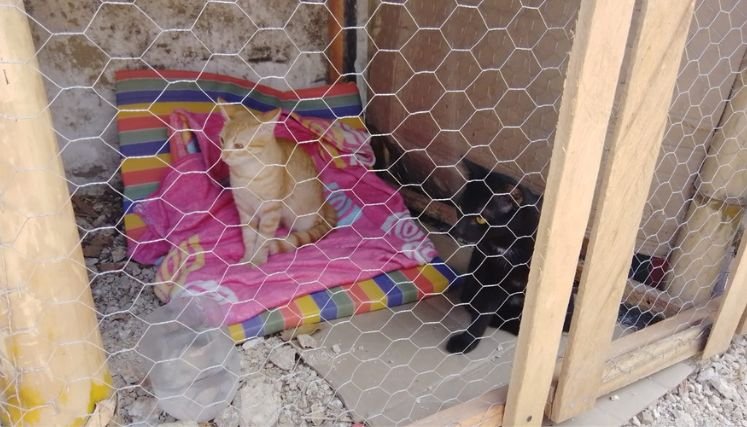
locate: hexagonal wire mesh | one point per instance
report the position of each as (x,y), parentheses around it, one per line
(441,82)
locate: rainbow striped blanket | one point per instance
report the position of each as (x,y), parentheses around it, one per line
(180,217)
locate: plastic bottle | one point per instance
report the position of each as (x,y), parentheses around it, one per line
(192,363)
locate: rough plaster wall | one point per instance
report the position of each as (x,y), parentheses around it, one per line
(81,43)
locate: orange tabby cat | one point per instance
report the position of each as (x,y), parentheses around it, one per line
(274,183)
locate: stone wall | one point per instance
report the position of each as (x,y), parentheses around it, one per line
(81,43)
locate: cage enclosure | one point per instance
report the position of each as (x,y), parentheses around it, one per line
(531,204)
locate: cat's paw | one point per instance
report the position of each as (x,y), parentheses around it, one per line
(259,259)
(462,343)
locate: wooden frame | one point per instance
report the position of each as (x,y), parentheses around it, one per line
(634,144)
(593,70)
(586,373)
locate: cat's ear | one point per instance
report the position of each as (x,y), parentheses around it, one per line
(272,116)
(474,171)
(222,109)
(227,110)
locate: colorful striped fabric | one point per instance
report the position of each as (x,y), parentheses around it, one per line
(146,98)
(385,290)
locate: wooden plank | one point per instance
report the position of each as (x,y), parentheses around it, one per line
(667,327)
(733,304)
(638,364)
(486,410)
(647,298)
(742,329)
(634,146)
(593,71)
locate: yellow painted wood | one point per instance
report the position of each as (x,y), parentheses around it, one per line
(53,364)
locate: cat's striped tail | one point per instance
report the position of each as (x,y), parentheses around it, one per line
(327,222)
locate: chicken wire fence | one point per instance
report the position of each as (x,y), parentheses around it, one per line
(444,87)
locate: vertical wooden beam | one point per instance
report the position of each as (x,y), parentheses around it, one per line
(633,147)
(336,39)
(53,366)
(733,305)
(742,329)
(593,71)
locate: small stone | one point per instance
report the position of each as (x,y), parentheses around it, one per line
(110,266)
(284,357)
(118,254)
(99,221)
(91,264)
(180,424)
(336,349)
(725,389)
(614,397)
(260,403)
(143,409)
(252,343)
(228,418)
(307,341)
(706,375)
(317,414)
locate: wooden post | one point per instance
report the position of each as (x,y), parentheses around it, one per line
(592,76)
(713,217)
(53,368)
(336,37)
(732,307)
(633,147)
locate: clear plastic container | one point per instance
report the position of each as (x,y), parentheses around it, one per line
(192,363)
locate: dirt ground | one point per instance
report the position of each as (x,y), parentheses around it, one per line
(715,395)
(277,387)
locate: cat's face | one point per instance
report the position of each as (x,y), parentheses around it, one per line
(245,133)
(494,210)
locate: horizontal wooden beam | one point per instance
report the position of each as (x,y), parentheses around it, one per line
(648,360)
(651,299)
(661,330)
(486,410)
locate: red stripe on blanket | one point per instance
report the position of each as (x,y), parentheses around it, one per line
(336,89)
(146,176)
(292,316)
(360,298)
(142,123)
(425,287)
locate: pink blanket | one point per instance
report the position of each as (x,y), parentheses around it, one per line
(193,227)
